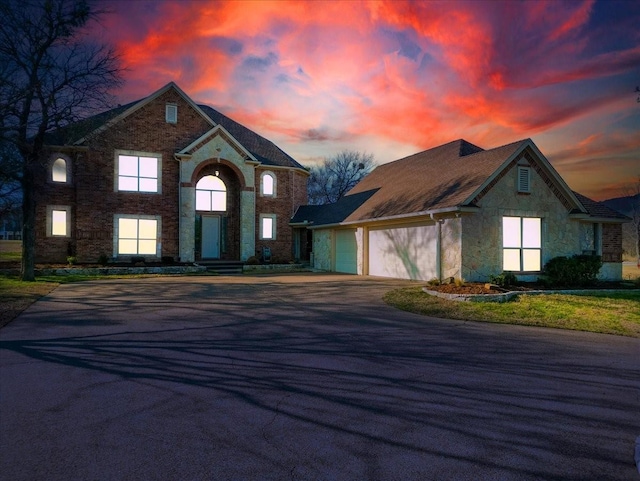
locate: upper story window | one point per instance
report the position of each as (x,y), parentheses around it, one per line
(171,113)
(138,173)
(524,179)
(522,244)
(268,184)
(211,194)
(59,171)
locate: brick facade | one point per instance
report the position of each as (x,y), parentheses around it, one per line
(93,200)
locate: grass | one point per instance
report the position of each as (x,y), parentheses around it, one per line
(16,296)
(606,313)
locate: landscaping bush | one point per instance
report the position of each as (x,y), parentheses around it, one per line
(575,271)
(504,279)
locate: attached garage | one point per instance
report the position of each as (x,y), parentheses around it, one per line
(346,251)
(404,252)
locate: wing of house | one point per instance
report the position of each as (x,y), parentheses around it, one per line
(165,177)
(460,211)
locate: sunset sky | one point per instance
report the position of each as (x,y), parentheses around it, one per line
(393,78)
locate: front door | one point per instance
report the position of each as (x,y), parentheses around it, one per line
(210,237)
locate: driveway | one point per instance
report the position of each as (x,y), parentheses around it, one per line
(305,377)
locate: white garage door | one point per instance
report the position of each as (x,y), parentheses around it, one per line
(346,251)
(403,252)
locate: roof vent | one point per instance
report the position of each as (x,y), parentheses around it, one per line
(524,180)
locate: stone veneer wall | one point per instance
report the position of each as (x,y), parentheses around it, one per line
(322,242)
(482,231)
(451,245)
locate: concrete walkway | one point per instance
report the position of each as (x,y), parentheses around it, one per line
(304,377)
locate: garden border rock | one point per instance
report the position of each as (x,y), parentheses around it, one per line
(507,296)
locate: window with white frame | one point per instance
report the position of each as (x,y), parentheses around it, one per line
(267,226)
(138,173)
(137,235)
(211,194)
(268,184)
(59,170)
(522,244)
(58,221)
(171,113)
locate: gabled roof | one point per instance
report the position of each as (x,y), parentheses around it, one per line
(260,148)
(450,178)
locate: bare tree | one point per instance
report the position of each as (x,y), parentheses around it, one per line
(51,74)
(633,196)
(337,175)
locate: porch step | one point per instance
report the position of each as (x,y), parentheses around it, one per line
(223,267)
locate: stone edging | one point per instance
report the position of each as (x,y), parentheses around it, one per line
(507,296)
(105,271)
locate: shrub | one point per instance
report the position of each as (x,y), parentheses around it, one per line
(504,279)
(434,282)
(103,259)
(252,261)
(578,270)
(71,260)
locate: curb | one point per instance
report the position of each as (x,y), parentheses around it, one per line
(507,296)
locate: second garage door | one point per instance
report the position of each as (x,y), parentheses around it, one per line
(403,252)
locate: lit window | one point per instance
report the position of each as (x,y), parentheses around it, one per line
(59,171)
(59,222)
(268,184)
(137,236)
(522,244)
(137,173)
(267,226)
(211,194)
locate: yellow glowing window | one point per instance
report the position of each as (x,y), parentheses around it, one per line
(59,222)
(137,174)
(211,194)
(521,244)
(137,236)
(59,171)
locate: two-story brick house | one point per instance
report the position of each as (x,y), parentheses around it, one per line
(166,178)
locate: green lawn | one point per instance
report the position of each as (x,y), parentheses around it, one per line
(605,313)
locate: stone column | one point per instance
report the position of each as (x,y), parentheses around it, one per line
(187,224)
(247,224)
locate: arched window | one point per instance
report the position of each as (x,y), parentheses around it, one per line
(211,194)
(268,186)
(59,170)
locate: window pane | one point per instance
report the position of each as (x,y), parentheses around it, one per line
(531,236)
(531,260)
(128,183)
(59,171)
(211,182)
(511,260)
(128,165)
(58,222)
(267,228)
(148,185)
(127,228)
(203,200)
(267,185)
(147,229)
(147,247)
(149,167)
(218,200)
(511,231)
(128,246)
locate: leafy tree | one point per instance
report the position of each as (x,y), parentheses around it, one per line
(51,74)
(336,175)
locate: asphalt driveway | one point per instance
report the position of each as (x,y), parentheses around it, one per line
(305,378)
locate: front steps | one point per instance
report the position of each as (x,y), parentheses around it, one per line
(221,267)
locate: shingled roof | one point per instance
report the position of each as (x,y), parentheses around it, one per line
(598,209)
(441,178)
(262,149)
